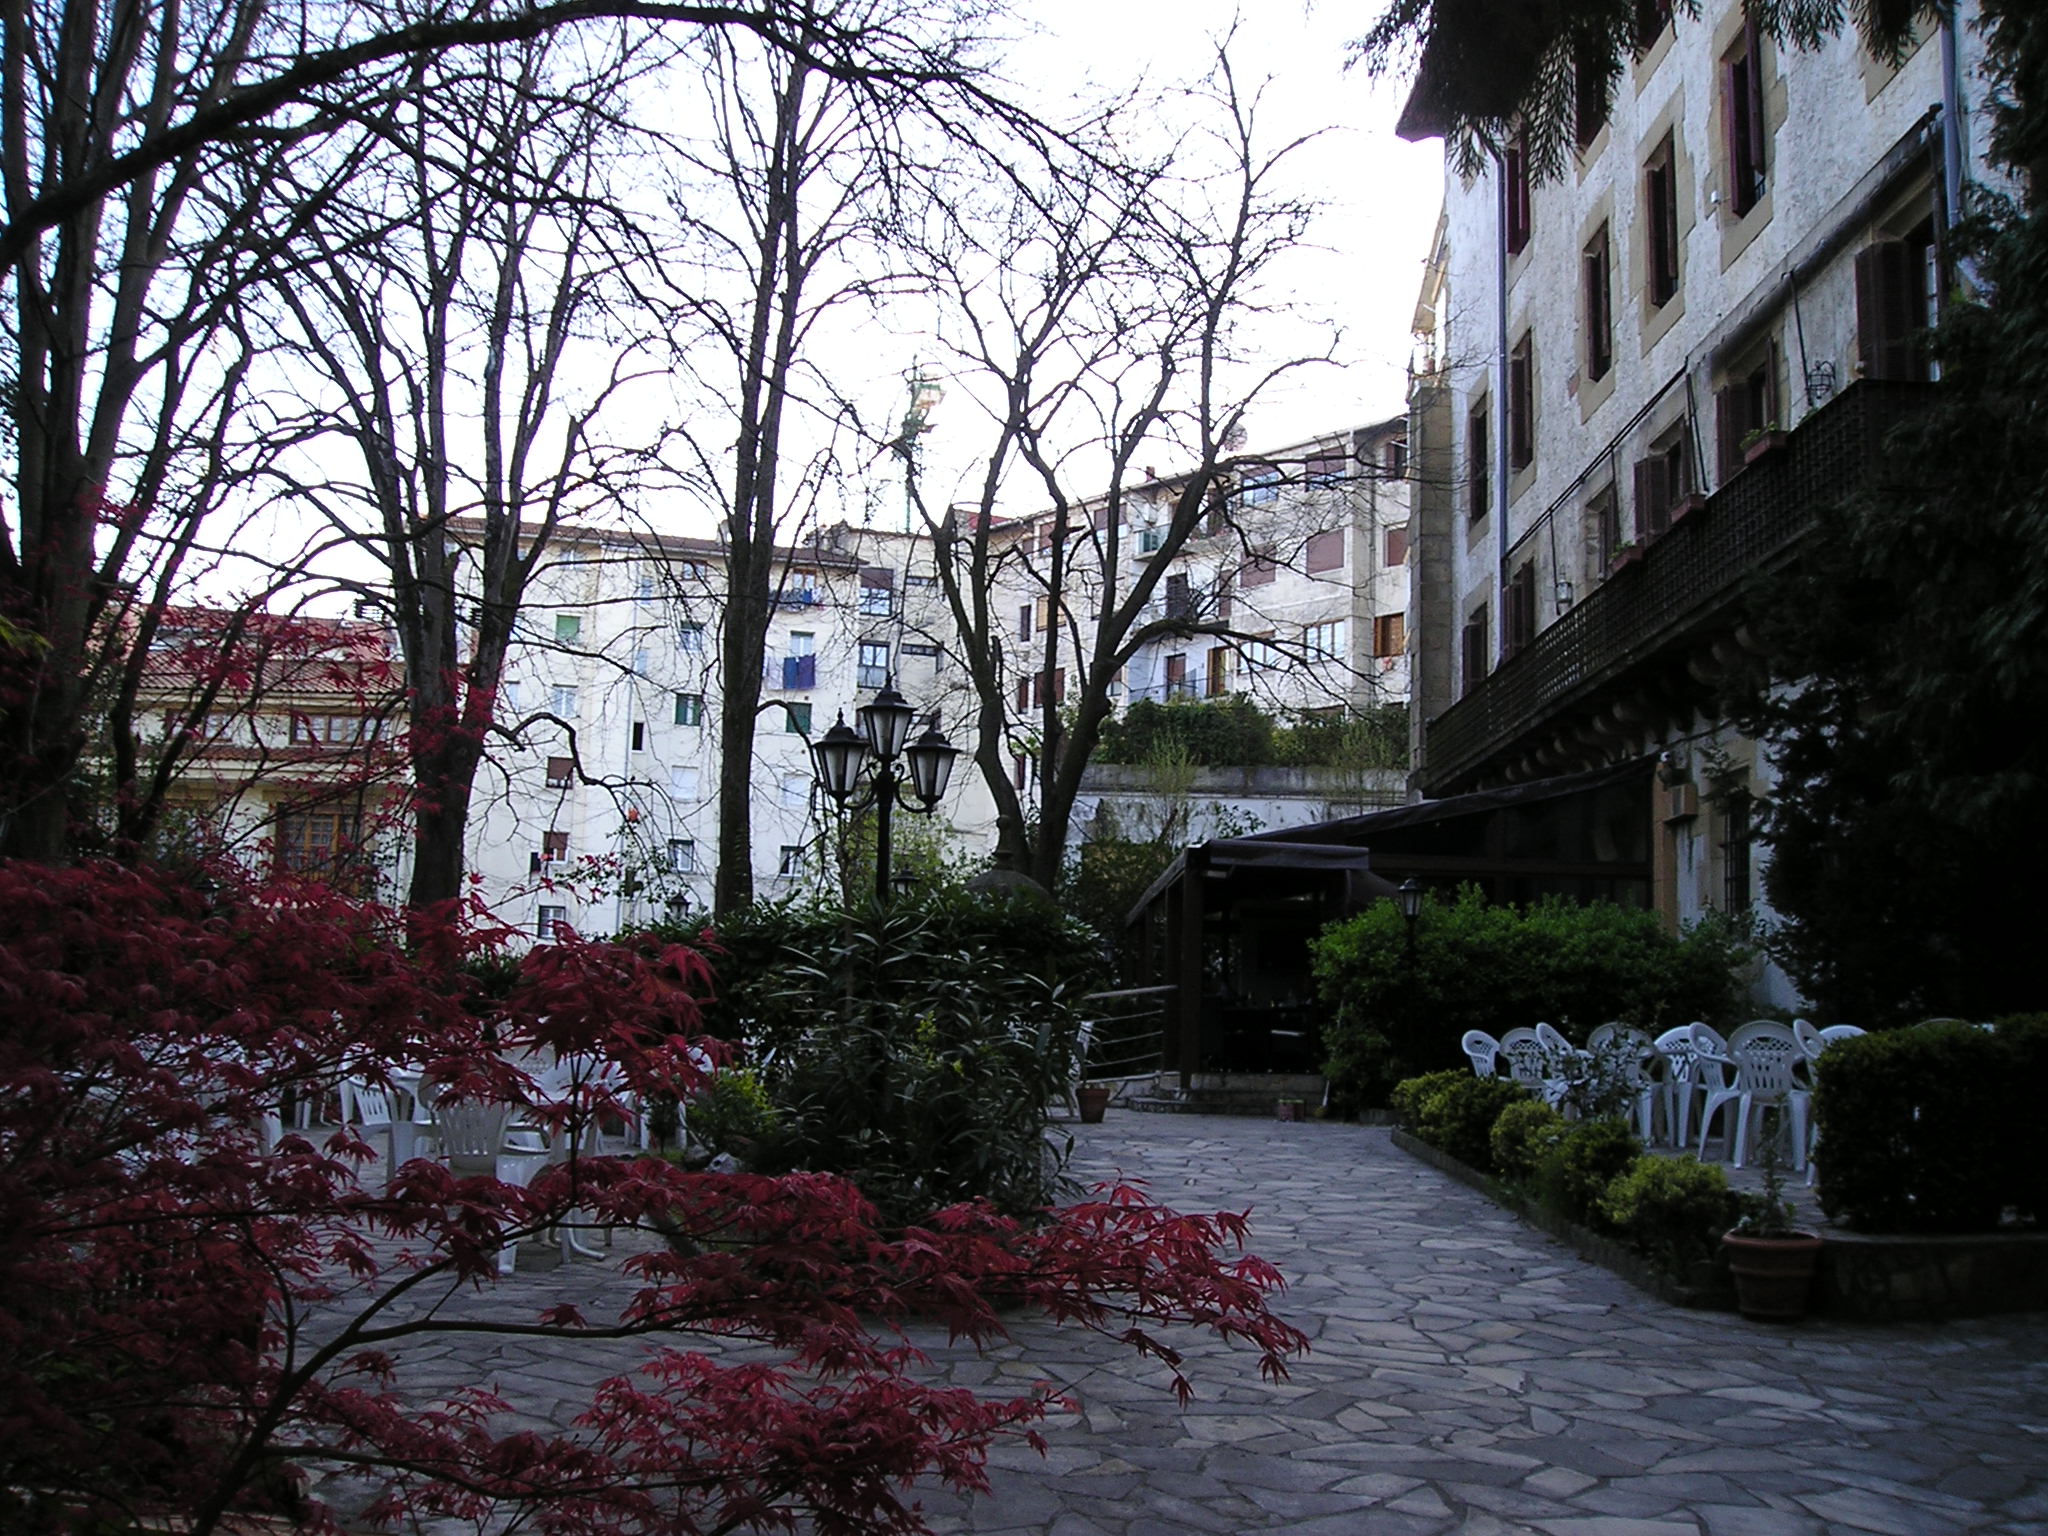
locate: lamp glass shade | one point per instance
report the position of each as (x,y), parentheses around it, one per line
(840,752)
(885,722)
(931,765)
(1410,897)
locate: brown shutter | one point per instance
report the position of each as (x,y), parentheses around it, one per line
(1884,316)
(1730,428)
(1753,104)
(1649,489)
(1326,550)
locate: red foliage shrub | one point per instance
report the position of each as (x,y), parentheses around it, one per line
(188,1314)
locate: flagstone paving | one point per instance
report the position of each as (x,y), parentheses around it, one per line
(1467,1374)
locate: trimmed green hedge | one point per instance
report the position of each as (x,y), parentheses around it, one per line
(1936,1128)
(1496,968)
(1455,1112)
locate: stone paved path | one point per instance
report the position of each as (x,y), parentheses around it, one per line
(1468,1375)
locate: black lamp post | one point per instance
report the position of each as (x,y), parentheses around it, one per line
(849,758)
(1410,896)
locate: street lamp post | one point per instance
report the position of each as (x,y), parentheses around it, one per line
(848,758)
(1410,896)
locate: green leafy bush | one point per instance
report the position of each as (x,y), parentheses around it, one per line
(1522,1135)
(1674,1209)
(1931,1128)
(1213,733)
(731,1113)
(1495,968)
(912,1049)
(1454,1112)
(1577,1169)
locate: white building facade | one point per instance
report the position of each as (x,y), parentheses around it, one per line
(1635,382)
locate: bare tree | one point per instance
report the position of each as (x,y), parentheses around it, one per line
(1099,306)
(472,311)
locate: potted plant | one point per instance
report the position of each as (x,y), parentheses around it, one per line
(1772,1260)
(1760,442)
(1624,554)
(1093,1099)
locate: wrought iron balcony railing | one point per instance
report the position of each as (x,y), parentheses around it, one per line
(1691,574)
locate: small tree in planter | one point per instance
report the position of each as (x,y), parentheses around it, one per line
(1772,1259)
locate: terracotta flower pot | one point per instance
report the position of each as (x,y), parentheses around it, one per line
(1772,1274)
(1093,1099)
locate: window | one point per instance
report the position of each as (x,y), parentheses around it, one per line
(1663,479)
(1023,621)
(1590,80)
(1390,635)
(562,701)
(796,719)
(689,709)
(1323,642)
(1748,405)
(1023,694)
(1177,686)
(1898,298)
(325,730)
(877,592)
(689,570)
(1150,538)
(1478,460)
(639,736)
(1518,611)
(1514,162)
(1328,467)
(316,842)
(1020,770)
(1603,512)
(1742,108)
(1258,487)
(553,846)
(1219,670)
(682,855)
(796,793)
(1394,458)
(920,583)
(1522,403)
(685,783)
(690,638)
(928,654)
(1261,656)
(1735,843)
(1059,685)
(1180,597)
(643,589)
(1597,267)
(561,772)
(553,923)
(1660,218)
(791,863)
(1260,569)
(568,628)
(1472,648)
(872,669)
(1396,545)
(1652,17)
(803,642)
(1326,550)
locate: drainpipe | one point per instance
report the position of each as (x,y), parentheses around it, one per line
(1500,410)
(1954,127)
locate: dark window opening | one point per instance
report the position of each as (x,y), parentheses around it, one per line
(1518,627)
(1742,105)
(1479,468)
(1515,173)
(1473,648)
(1598,262)
(1660,212)
(1522,403)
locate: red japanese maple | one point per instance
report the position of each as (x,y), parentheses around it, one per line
(188,1320)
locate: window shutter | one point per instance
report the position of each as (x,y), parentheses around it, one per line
(1326,550)
(1649,496)
(1752,107)
(1884,310)
(1731,426)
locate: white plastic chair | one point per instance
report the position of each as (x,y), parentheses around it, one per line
(1483,1051)
(474,1142)
(1529,1064)
(371,1111)
(1686,1077)
(1762,1055)
(1084,1042)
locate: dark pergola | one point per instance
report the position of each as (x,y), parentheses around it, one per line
(1227,925)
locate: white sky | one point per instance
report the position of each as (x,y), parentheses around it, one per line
(1382,195)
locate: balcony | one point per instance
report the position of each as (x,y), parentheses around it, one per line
(1688,583)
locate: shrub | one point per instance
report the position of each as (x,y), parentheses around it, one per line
(1228,732)
(731,1112)
(2024,1157)
(1578,1168)
(1673,1209)
(1522,1135)
(1494,968)
(1929,1129)
(1454,1112)
(912,1049)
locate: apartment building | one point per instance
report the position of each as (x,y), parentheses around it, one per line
(605,811)
(1293,590)
(1634,384)
(283,730)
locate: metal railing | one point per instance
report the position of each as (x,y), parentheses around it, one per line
(1128,1038)
(1694,571)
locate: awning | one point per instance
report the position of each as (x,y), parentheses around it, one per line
(1227,853)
